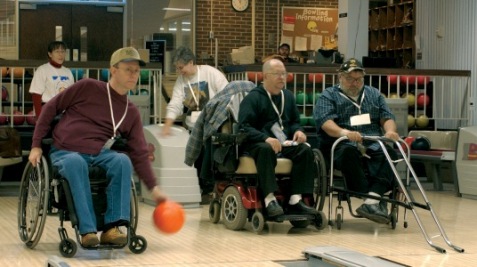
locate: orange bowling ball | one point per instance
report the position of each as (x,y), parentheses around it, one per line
(168,217)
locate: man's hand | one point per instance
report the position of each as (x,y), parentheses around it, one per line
(299,137)
(35,156)
(157,195)
(352,135)
(392,135)
(276,146)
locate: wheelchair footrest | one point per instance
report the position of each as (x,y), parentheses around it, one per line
(293,217)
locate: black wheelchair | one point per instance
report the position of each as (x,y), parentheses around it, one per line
(338,187)
(43,192)
(399,196)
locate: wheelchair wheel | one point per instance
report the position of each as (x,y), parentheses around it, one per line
(68,248)
(234,213)
(320,220)
(134,207)
(214,211)
(33,202)
(138,244)
(258,222)
(320,190)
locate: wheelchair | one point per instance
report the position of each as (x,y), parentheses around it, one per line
(339,188)
(43,192)
(400,195)
(236,198)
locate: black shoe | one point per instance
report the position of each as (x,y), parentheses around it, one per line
(274,209)
(373,212)
(301,208)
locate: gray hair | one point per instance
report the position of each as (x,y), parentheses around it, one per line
(183,55)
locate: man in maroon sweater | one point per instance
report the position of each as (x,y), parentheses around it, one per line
(94,115)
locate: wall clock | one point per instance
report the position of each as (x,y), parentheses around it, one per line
(240,5)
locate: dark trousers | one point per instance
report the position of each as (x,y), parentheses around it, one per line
(362,174)
(302,173)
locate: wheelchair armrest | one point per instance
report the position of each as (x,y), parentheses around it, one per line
(228,139)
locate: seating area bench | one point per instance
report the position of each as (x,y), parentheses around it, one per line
(443,146)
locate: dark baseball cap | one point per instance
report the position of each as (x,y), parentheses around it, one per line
(351,65)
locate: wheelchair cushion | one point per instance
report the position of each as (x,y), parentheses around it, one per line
(247,166)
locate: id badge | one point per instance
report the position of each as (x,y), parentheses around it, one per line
(278,132)
(109,143)
(194,116)
(362,119)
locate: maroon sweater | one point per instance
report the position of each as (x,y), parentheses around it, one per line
(86,124)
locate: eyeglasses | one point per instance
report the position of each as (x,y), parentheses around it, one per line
(130,71)
(352,80)
(59,51)
(279,74)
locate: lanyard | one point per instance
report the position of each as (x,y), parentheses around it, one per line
(353,102)
(276,109)
(115,127)
(196,99)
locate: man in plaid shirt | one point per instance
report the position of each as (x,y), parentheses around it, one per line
(363,164)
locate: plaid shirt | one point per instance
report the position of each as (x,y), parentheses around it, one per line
(214,114)
(333,105)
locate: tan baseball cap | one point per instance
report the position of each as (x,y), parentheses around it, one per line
(126,54)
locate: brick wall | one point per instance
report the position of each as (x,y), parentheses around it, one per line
(234,29)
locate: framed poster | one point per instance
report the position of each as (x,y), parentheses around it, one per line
(309,28)
(157,51)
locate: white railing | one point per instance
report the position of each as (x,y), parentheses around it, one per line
(16,107)
(443,96)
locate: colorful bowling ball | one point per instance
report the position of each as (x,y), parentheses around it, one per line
(317,95)
(18,117)
(168,217)
(17,72)
(3,118)
(411,121)
(303,120)
(144,75)
(301,98)
(411,99)
(421,80)
(408,141)
(255,76)
(393,95)
(404,79)
(315,77)
(143,91)
(104,75)
(31,118)
(422,100)
(77,74)
(311,121)
(421,143)
(422,121)
(290,77)
(392,79)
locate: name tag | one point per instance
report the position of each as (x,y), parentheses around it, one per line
(362,119)
(194,116)
(109,143)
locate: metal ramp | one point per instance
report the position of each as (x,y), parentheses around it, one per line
(336,256)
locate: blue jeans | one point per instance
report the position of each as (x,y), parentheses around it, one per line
(74,167)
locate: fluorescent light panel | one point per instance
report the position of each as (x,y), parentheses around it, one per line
(176,9)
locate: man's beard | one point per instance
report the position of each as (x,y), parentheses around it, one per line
(352,92)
